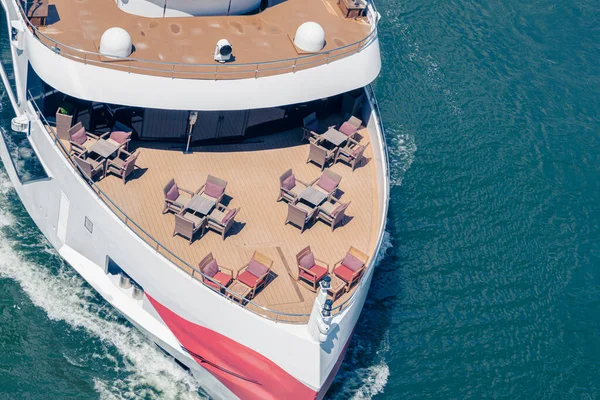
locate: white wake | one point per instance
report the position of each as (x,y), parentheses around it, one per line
(64,296)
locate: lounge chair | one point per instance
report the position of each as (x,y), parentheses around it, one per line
(332,212)
(176,198)
(319,155)
(289,190)
(80,141)
(212,275)
(118,138)
(221,219)
(351,267)
(123,165)
(187,224)
(310,269)
(300,214)
(88,166)
(255,273)
(310,129)
(213,188)
(327,183)
(351,154)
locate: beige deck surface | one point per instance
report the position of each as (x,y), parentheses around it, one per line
(252,170)
(191,40)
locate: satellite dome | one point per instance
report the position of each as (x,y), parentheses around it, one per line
(115,42)
(310,37)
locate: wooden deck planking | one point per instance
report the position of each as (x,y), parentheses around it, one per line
(252,170)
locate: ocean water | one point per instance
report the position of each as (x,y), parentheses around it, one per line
(489,283)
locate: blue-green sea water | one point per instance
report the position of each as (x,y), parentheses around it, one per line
(490,282)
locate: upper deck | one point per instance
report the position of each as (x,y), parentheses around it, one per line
(182,47)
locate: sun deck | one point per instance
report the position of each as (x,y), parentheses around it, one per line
(183,46)
(252,169)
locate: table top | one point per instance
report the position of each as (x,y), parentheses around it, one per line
(313,196)
(104,148)
(334,136)
(201,204)
(239,289)
(336,284)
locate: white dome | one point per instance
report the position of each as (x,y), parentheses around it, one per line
(115,42)
(310,37)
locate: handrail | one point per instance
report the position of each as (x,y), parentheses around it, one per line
(375,107)
(104,197)
(217,70)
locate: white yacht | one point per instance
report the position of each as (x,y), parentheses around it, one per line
(215,169)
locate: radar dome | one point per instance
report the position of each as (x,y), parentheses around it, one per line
(310,37)
(115,42)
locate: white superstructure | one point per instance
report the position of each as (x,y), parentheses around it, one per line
(111,231)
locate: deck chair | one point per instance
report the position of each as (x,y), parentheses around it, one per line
(176,198)
(300,214)
(255,273)
(221,219)
(319,155)
(187,224)
(213,188)
(351,154)
(310,269)
(289,190)
(351,267)
(123,165)
(212,275)
(80,141)
(332,213)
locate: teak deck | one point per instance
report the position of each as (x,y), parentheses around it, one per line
(252,170)
(258,38)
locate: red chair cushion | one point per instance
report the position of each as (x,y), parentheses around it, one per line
(352,263)
(79,137)
(257,269)
(348,129)
(211,269)
(319,271)
(213,190)
(326,183)
(173,193)
(289,182)
(223,278)
(247,279)
(308,261)
(344,273)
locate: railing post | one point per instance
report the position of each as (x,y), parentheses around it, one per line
(294,66)
(173,72)
(256,73)
(327,59)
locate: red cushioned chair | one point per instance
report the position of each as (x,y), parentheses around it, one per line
(310,269)
(351,267)
(255,273)
(210,269)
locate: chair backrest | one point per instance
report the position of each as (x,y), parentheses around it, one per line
(205,261)
(352,120)
(333,176)
(285,175)
(86,166)
(168,187)
(262,259)
(339,214)
(317,154)
(310,118)
(296,215)
(120,136)
(184,226)
(217,181)
(358,154)
(359,255)
(229,223)
(302,253)
(75,128)
(129,164)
